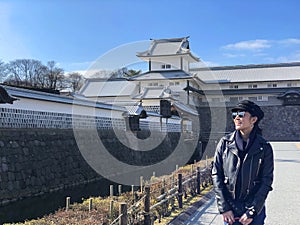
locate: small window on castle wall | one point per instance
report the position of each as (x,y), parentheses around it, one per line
(166,66)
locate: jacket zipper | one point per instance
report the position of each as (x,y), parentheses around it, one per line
(259,163)
(242,174)
(250,175)
(236,173)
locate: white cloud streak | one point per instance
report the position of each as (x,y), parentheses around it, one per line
(290,41)
(252,45)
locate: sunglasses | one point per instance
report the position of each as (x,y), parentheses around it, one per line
(240,114)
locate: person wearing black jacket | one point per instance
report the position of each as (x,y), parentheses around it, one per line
(243,168)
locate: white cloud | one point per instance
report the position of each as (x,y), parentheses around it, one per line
(294,57)
(289,41)
(249,45)
(229,55)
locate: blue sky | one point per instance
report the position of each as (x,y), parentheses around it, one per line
(76,33)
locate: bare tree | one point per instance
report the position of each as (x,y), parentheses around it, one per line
(2,70)
(40,79)
(24,72)
(54,74)
(75,80)
(99,74)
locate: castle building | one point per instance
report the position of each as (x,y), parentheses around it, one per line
(173,76)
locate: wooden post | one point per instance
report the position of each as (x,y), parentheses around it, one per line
(180,191)
(198,181)
(147,219)
(111,190)
(132,193)
(90,204)
(68,200)
(111,209)
(141,183)
(123,213)
(120,189)
(173,180)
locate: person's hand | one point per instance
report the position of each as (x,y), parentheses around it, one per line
(245,220)
(228,217)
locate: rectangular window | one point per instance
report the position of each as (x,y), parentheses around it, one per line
(171,83)
(177,83)
(262,98)
(259,98)
(289,84)
(166,66)
(252,86)
(274,85)
(155,84)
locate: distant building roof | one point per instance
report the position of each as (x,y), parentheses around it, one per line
(43,96)
(168,47)
(107,88)
(162,75)
(250,73)
(185,108)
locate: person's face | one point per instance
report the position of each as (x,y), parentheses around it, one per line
(243,121)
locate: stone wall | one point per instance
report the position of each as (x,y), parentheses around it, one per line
(35,161)
(38,161)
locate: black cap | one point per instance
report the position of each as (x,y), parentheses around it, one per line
(250,107)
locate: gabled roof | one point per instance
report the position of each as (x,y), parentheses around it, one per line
(250,73)
(168,47)
(5,97)
(154,93)
(162,75)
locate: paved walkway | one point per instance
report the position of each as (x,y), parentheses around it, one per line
(283,203)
